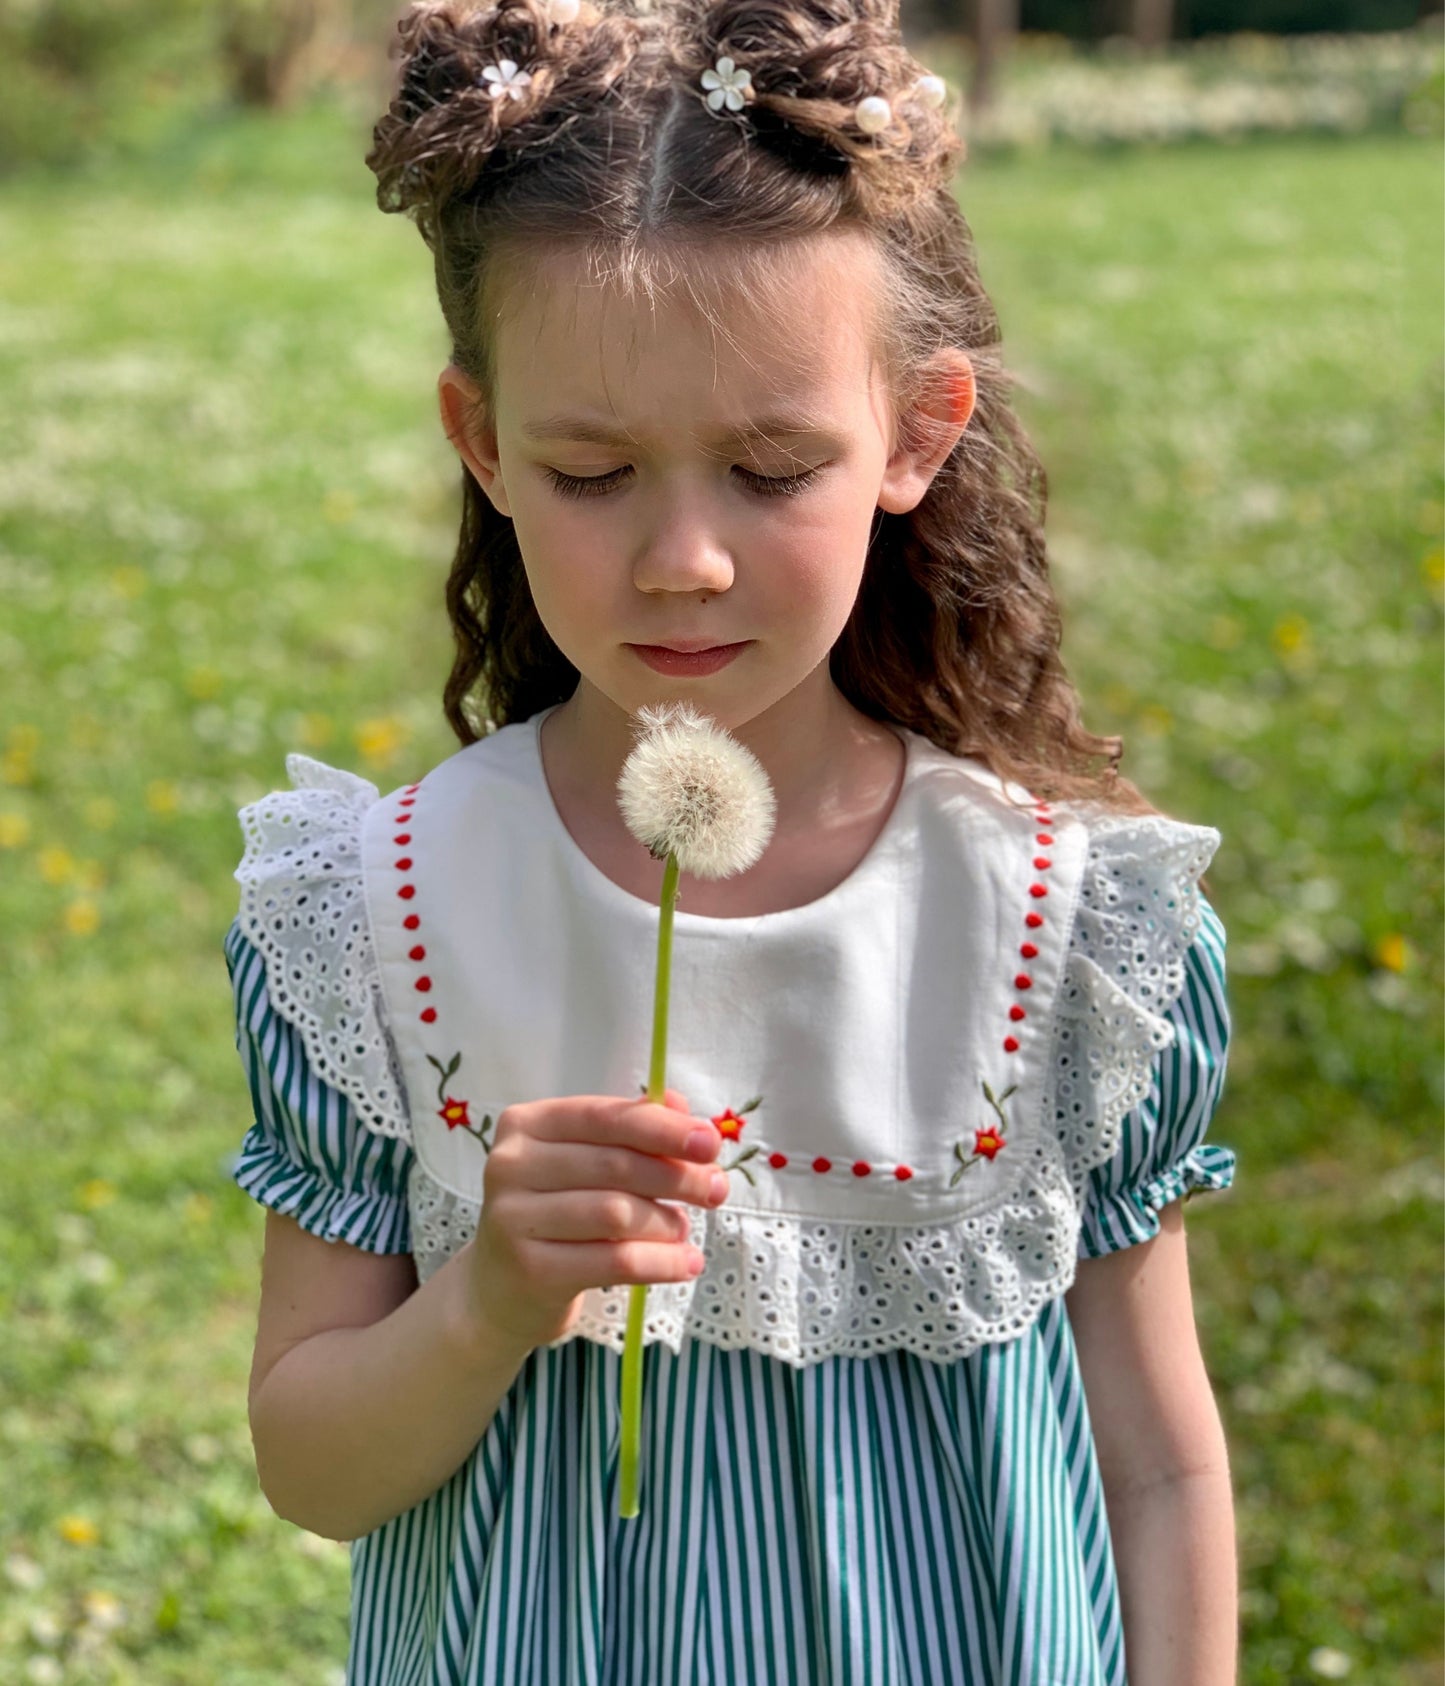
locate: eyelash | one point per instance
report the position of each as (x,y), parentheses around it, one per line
(591,486)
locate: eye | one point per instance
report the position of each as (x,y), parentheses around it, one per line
(583,486)
(782,486)
(594,485)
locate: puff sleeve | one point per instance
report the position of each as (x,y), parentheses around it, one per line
(330,1143)
(307,1155)
(1162,1155)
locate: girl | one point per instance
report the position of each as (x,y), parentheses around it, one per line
(735,431)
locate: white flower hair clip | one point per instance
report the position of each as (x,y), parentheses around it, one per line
(729,85)
(504,78)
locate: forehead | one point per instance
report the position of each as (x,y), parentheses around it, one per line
(689,335)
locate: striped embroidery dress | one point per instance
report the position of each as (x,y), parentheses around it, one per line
(879,1521)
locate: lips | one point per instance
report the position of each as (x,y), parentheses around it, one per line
(686,663)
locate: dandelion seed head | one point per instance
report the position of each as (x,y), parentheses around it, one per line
(690,789)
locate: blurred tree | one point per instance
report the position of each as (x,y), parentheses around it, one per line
(1153,22)
(995,23)
(274,51)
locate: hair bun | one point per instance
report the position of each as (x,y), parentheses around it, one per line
(473,79)
(833,88)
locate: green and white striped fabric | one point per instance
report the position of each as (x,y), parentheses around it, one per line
(885,1521)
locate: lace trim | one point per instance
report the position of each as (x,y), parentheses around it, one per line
(303,907)
(804,1290)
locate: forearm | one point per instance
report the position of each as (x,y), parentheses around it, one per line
(1174,1550)
(354,1426)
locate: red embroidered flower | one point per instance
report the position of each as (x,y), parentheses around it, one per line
(987,1141)
(729,1124)
(454,1112)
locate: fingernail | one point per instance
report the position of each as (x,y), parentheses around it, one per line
(703,1143)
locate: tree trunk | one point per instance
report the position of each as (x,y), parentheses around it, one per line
(275,50)
(995,24)
(1153,22)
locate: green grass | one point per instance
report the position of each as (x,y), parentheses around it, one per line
(226,510)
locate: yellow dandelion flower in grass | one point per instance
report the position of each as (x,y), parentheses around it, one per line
(316,729)
(1392,952)
(103,1610)
(56,864)
(380,740)
(96,1193)
(198,1207)
(23,738)
(1291,633)
(1432,566)
(14,831)
(1119,697)
(203,683)
(338,506)
(82,918)
(162,796)
(78,1530)
(99,813)
(128,581)
(17,766)
(1155,720)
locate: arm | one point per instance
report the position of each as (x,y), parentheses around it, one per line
(340,1447)
(1162,1458)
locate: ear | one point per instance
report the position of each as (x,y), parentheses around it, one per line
(928,430)
(470,428)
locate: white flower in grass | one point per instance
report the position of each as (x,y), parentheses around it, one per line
(691,790)
(729,85)
(505,78)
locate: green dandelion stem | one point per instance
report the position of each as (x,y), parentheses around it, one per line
(637,1299)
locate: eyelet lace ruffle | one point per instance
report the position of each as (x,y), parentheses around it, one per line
(303,906)
(800,1290)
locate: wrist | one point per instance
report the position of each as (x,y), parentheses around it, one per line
(477,1336)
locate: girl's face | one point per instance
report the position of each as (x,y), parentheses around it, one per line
(666,489)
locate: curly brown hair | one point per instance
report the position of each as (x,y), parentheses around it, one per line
(611,150)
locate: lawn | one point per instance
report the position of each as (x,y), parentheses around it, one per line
(226,512)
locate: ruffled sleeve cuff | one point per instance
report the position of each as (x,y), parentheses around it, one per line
(1162,1156)
(307,1155)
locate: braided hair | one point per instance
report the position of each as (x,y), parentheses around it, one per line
(595,136)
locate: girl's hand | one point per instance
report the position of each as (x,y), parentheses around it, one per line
(572,1200)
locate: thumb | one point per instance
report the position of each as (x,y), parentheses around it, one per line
(676,1100)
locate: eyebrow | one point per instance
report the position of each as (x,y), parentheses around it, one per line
(582,430)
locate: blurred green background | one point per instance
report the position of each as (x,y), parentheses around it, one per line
(226,513)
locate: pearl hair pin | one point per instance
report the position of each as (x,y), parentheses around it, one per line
(729,87)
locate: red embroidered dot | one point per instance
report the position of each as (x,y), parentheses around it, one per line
(1016,1013)
(404,864)
(822,1164)
(1033,920)
(411,921)
(423,984)
(1037,890)
(428,1015)
(1042,862)
(902,1173)
(777,1160)
(1027,950)
(1011,1044)
(418,953)
(411,787)
(1023,981)
(405,837)
(862,1170)
(1043,837)
(406,892)
(407,802)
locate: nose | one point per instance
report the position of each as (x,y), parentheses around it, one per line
(682,552)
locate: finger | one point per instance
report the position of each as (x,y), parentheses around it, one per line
(552,1167)
(642,1125)
(590,1214)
